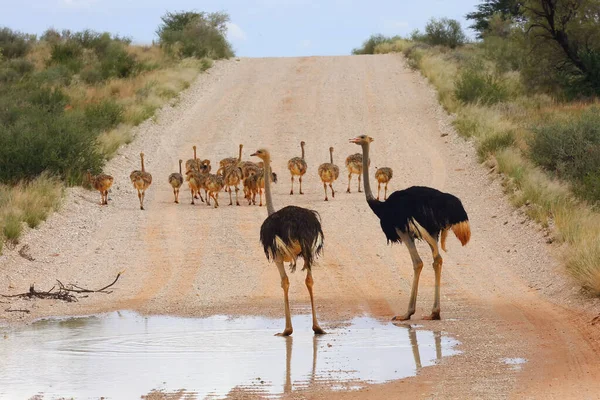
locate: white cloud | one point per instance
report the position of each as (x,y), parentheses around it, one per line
(235,33)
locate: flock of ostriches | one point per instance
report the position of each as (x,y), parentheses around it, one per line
(417,212)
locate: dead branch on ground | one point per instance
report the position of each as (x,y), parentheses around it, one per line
(62,292)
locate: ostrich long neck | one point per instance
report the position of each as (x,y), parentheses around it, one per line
(268,197)
(194,153)
(240,156)
(331,156)
(179,167)
(142,157)
(365,160)
(302,146)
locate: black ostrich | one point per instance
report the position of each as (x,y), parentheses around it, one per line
(287,234)
(417,213)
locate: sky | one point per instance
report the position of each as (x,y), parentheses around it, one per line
(258,28)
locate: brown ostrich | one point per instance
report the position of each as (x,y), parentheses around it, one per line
(193,164)
(417,213)
(354,164)
(214,184)
(286,235)
(383,175)
(329,172)
(102,183)
(232,176)
(141,181)
(298,167)
(176,180)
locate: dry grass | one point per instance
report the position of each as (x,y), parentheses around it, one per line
(27,204)
(161,79)
(502,133)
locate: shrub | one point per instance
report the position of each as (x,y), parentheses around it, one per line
(12,228)
(54,75)
(442,32)
(14,44)
(570,147)
(368,47)
(474,84)
(116,62)
(103,116)
(67,53)
(193,34)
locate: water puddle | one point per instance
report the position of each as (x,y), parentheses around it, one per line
(516,364)
(125,355)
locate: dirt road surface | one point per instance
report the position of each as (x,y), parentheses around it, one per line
(504,295)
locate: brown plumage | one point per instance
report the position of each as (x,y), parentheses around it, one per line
(383,175)
(193,164)
(256,184)
(214,184)
(354,166)
(141,181)
(329,172)
(176,180)
(298,167)
(102,183)
(232,176)
(227,162)
(196,181)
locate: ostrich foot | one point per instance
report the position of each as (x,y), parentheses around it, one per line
(301,192)
(286,332)
(347,190)
(435,316)
(404,317)
(291,192)
(326,199)
(141,207)
(318,331)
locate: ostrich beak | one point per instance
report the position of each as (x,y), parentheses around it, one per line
(355,140)
(253,154)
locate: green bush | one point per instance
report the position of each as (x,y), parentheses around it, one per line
(570,148)
(116,62)
(474,84)
(442,32)
(195,34)
(68,54)
(37,135)
(368,47)
(14,44)
(103,116)
(54,75)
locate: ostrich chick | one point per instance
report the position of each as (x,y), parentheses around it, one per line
(141,181)
(329,172)
(383,175)
(176,180)
(298,167)
(101,183)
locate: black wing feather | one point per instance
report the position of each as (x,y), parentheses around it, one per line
(432,209)
(293,224)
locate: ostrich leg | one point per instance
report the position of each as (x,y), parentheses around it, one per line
(437,268)
(285,285)
(359,191)
(332,191)
(300,179)
(349,180)
(309,284)
(325,188)
(378,189)
(385,193)
(417,267)
(292,190)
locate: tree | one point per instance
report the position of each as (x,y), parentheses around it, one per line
(569,30)
(195,34)
(441,32)
(507,9)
